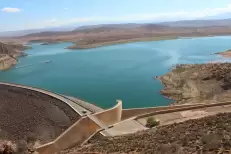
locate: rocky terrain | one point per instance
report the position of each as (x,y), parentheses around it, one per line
(209,135)
(28,114)
(9,54)
(198,83)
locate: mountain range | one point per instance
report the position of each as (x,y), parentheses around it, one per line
(218,20)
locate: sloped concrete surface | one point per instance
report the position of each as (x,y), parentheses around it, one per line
(82,130)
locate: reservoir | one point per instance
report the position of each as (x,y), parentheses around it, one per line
(103,75)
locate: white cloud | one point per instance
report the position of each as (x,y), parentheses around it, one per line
(11,10)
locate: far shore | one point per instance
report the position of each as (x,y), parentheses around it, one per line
(86,45)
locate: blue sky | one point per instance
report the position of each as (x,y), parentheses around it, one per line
(33,14)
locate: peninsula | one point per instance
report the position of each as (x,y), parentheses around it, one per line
(193,83)
(226,53)
(94,43)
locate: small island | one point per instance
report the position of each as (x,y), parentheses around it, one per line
(226,53)
(198,83)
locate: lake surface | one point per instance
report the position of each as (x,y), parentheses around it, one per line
(105,74)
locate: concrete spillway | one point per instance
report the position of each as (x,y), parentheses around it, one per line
(44,62)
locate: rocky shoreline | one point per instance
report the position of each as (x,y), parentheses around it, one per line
(198,83)
(9,54)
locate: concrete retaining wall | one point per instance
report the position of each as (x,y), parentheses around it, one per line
(183,108)
(112,115)
(82,130)
(129,113)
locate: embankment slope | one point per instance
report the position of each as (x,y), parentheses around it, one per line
(24,112)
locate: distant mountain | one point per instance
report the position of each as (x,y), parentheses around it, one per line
(153,26)
(198,23)
(46,33)
(108,26)
(100,28)
(112,27)
(31,31)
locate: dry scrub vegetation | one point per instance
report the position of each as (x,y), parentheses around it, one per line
(209,135)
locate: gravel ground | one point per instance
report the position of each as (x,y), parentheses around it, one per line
(25,113)
(209,135)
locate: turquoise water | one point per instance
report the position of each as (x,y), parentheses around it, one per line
(105,74)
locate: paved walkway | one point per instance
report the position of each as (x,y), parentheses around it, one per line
(124,127)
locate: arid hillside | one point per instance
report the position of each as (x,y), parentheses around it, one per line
(209,135)
(204,83)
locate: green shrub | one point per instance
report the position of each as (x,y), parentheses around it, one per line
(152,122)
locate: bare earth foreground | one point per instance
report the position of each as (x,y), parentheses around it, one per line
(206,135)
(25,113)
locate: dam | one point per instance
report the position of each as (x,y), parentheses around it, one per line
(89,120)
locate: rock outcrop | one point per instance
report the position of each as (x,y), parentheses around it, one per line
(9,54)
(199,83)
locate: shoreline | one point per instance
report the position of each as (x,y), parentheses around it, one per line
(84,45)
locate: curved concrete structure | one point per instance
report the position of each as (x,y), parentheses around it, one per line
(82,130)
(77,108)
